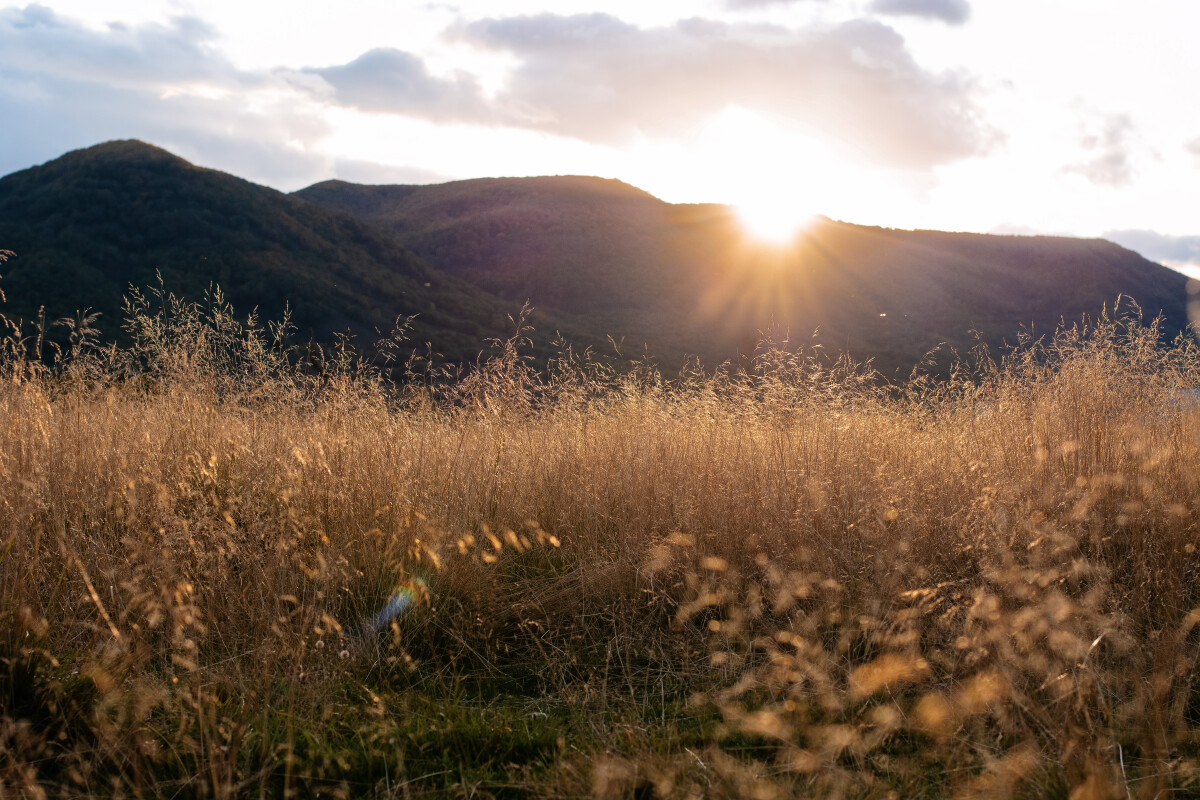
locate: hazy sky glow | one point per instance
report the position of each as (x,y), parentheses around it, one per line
(981,115)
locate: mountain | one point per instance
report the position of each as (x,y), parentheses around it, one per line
(90,224)
(687,279)
(596,257)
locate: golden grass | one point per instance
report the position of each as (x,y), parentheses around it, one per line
(983,586)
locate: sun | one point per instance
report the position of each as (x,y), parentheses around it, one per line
(771,176)
(774,220)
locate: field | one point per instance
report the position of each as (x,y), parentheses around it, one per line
(228,571)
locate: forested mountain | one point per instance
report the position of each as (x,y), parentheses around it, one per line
(90,224)
(596,257)
(687,278)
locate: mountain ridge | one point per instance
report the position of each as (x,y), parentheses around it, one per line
(688,277)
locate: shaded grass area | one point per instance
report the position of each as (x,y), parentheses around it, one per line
(90,735)
(787,581)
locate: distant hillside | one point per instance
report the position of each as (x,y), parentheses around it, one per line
(687,279)
(578,244)
(596,257)
(91,223)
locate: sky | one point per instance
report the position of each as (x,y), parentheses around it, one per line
(995,116)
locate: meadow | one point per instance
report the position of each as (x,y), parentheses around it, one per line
(229,568)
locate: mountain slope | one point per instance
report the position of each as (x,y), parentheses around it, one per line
(91,223)
(557,238)
(687,279)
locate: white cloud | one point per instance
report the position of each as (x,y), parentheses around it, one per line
(391,80)
(369,172)
(736,4)
(1109,145)
(597,78)
(37,40)
(64,86)
(1193,147)
(952,12)
(589,77)
(229,136)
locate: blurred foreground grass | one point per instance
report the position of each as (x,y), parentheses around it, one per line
(788,580)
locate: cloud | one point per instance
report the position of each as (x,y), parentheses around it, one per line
(952,12)
(36,39)
(370,172)
(597,78)
(1174,251)
(392,80)
(1110,145)
(70,114)
(590,77)
(64,86)
(1193,147)
(761,3)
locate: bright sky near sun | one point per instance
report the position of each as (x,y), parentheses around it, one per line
(981,115)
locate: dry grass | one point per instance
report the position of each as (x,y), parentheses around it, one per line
(788,582)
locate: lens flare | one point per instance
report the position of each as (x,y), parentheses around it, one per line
(404,595)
